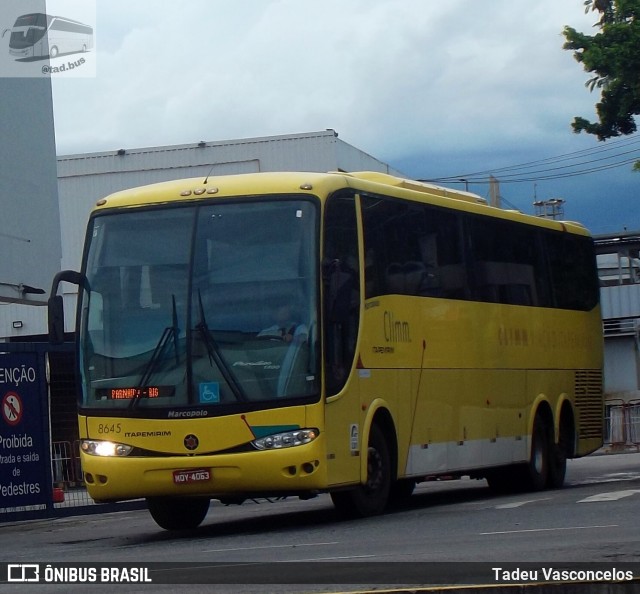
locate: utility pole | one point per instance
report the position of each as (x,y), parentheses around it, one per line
(494,192)
(550,209)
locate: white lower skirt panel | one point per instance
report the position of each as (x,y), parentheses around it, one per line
(441,458)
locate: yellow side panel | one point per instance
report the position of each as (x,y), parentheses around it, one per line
(478,371)
(343,432)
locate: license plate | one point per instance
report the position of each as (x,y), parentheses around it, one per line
(185,477)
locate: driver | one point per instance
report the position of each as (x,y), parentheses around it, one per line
(284,326)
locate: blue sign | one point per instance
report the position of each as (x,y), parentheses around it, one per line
(209,392)
(25,472)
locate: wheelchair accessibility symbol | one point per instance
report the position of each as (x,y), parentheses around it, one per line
(209,392)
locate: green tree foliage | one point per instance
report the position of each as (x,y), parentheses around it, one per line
(613,55)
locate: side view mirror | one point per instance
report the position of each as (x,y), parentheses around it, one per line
(56,319)
(56,304)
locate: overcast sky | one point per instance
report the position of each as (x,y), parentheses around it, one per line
(435,88)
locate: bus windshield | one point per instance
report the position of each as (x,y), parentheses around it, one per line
(28,29)
(201,306)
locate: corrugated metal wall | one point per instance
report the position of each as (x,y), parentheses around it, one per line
(620,301)
(19,320)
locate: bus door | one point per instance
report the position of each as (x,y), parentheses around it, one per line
(341,321)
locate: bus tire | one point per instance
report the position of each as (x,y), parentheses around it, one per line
(371,498)
(53,52)
(502,480)
(401,491)
(557,464)
(178,513)
(536,472)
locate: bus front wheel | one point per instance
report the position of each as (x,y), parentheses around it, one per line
(372,497)
(53,52)
(178,513)
(401,491)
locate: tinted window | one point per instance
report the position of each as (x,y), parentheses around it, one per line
(573,271)
(71,27)
(506,265)
(412,249)
(419,249)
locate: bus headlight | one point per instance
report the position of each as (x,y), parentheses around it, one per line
(104,448)
(288,439)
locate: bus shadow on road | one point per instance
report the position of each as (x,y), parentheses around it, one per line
(290,515)
(263,516)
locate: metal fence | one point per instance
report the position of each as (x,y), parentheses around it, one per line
(67,475)
(622,424)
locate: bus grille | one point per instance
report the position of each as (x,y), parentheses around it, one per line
(589,403)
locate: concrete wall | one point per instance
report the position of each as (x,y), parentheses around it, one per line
(30,239)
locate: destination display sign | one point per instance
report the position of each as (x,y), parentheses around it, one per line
(132,392)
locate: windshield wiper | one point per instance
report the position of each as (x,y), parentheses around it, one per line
(213,350)
(169,333)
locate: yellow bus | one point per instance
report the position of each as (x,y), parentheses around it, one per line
(289,334)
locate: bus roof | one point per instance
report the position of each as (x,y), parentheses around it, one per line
(391,180)
(39,18)
(321,184)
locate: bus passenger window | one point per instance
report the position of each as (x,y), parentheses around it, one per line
(412,249)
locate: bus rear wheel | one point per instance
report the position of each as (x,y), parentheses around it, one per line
(502,481)
(557,463)
(178,513)
(370,498)
(536,472)
(534,475)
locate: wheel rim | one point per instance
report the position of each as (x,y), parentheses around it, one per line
(538,459)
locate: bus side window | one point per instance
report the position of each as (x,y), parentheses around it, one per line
(341,279)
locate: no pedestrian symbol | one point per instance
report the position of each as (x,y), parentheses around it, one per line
(12,408)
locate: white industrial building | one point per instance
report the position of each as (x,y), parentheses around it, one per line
(85,178)
(619,271)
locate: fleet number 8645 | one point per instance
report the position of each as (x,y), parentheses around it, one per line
(106,428)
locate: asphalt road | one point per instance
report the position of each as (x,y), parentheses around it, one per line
(457,526)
